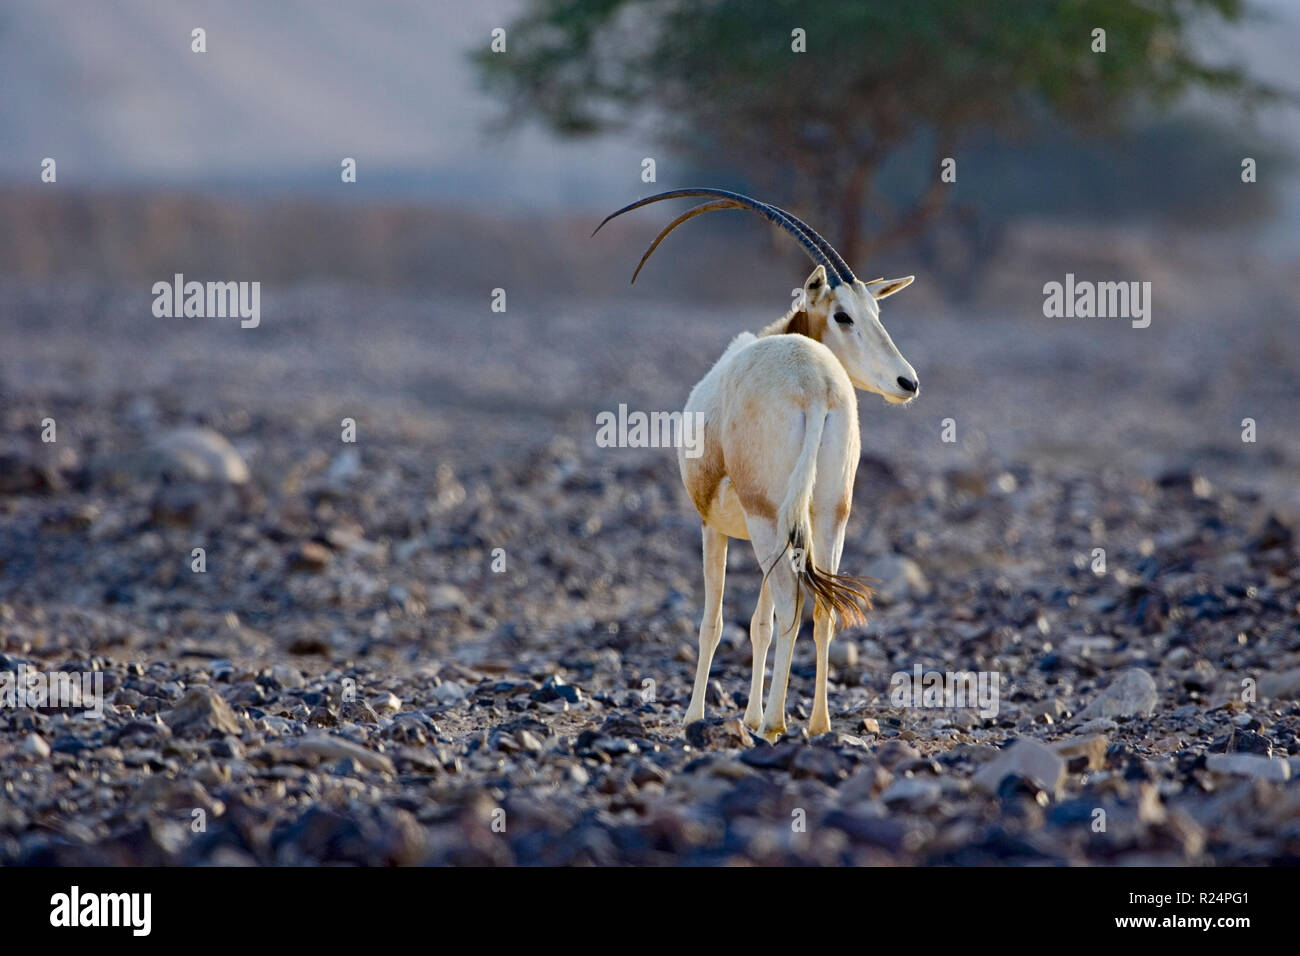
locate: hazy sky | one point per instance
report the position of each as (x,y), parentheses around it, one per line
(287,88)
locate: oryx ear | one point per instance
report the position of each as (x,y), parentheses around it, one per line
(815,287)
(884,288)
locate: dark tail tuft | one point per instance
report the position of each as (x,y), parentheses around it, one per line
(846,596)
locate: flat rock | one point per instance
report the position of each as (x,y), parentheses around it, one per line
(1098,725)
(449,692)
(916,793)
(728,734)
(200,712)
(1024,758)
(819,763)
(777,756)
(198,454)
(1132,694)
(1249,765)
(336,748)
(876,831)
(1284,684)
(1082,752)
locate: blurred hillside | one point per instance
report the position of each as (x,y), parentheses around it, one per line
(138,237)
(131,239)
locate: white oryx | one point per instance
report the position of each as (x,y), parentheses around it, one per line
(780,453)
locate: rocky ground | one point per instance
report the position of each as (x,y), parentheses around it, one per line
(468,637)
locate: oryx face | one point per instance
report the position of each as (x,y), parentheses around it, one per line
(854,333)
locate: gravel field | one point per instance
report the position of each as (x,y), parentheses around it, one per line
(516,608)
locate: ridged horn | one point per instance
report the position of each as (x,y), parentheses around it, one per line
(827,249)
(818,249)
(689,214)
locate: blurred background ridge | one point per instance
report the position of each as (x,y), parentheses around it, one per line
(262,120)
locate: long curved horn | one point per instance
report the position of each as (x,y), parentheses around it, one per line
(689,214)
(841,266)
(815,247)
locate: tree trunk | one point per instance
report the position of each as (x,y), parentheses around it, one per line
(852,198)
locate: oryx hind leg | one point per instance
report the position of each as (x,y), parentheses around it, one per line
(715,571)
(829,537)
(787,602)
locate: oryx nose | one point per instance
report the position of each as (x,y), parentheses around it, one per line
(906,384)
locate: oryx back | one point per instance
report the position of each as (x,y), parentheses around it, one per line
(757,402)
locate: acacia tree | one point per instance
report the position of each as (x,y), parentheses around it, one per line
(721,79)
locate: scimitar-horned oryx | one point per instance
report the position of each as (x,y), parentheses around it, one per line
(780,452)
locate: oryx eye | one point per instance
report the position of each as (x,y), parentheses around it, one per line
(843,318)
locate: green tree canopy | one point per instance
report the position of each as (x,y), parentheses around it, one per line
(720,79)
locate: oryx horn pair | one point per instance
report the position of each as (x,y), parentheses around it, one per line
(818,249)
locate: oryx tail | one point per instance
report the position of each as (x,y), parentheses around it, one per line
(845,595)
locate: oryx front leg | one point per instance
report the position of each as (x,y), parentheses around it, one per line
(760,637)
(715,571)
